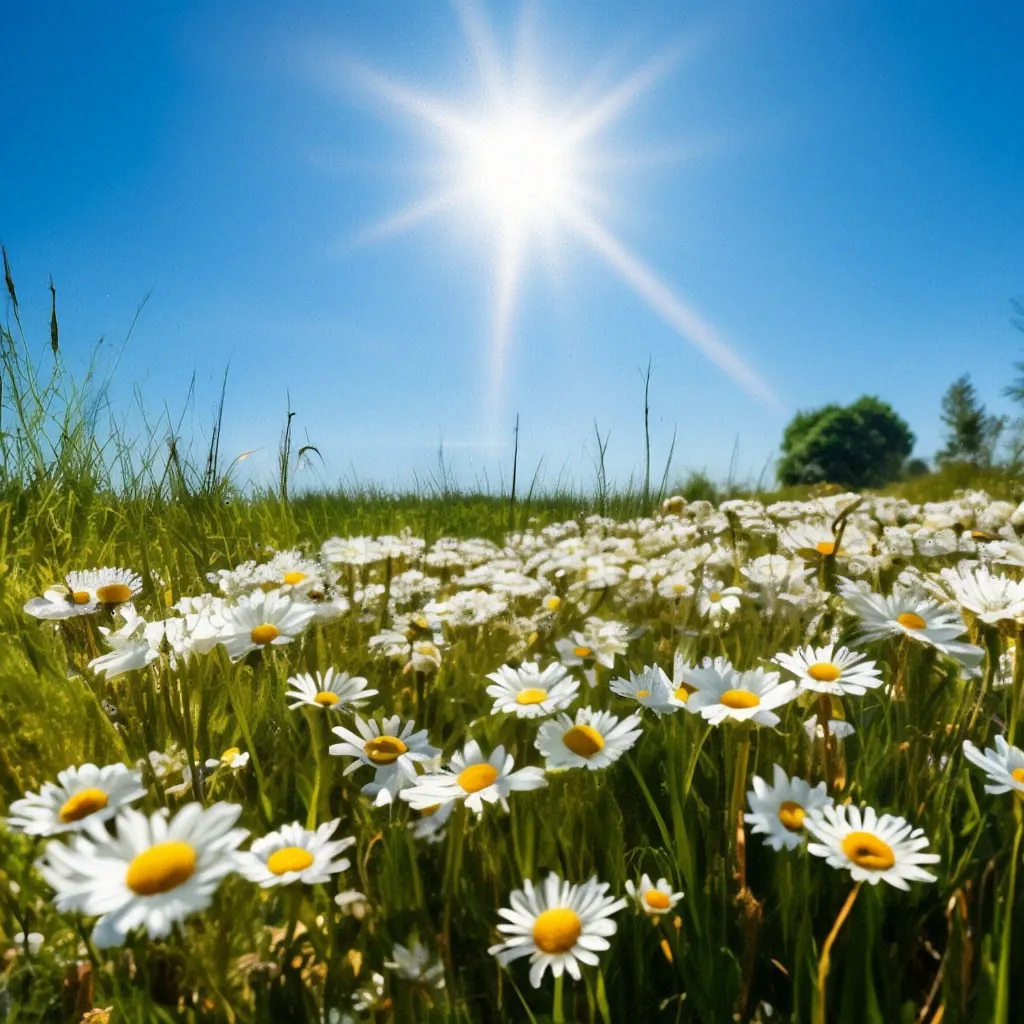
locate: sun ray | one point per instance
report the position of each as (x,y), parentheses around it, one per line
(508,269)
(409,216)
(405,98)
(616,101)
(482,45)
(669,306)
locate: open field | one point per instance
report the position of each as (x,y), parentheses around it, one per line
(181,673)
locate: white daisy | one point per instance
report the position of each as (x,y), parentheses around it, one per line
(130,647)
(59,603)
(681,685)
(724,693)
(828,670)
(391,748)
(260,620)
(557,925)
(650,688)
(1004,765)
(777,811)
(717,603)
(81,796)
(991,597)
(838,728)
(871,848)
(653,898)
(152,874)
(595,740)
(416,963)
(474,779)
(528,692)
(104,586)
(430,825)
(295,854)
(904,613)
(332,691)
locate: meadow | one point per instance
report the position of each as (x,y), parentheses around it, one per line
(466,758)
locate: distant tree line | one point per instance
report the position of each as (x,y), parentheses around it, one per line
(867,444)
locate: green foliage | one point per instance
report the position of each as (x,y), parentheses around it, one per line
(859,445)
(971,434)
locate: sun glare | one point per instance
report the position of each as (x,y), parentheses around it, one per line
(520,166)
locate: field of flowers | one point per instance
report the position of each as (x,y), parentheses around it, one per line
(748,763)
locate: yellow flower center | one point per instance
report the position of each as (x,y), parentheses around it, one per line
(583,652)
(265,634)
(825,547)
(911,620)
(642,693)
(657,899)
(824,672)
(384,749)
(791,814)
(477,777)
(161,868)
(683,690)
(679,588)
(291,578)
(1018,775)
(289,858)
(739,699)
(557,930)
(866,850)
(420,622)
(531,695)
(326,699)
(431,810)
(81,597)
(714,597)
(82,804)
(553,603)
(583,740)
(113,593)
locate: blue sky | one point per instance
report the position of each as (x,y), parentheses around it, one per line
(834,188)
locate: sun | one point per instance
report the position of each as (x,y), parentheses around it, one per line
(525,166)
(519,168)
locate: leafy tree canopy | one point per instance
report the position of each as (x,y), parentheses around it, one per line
(858,445)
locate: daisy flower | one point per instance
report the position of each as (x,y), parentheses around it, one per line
(681,685)
(81,796)
(903,613)
(871,848)
(332,691)
(777,811)
(1004,765)
(295,854)
(595,740)
(151,874)
(650,688)
(837,728)
(528,692)
(830,670)
(130,647)
(557,925)
(473,778)
(724,693)
(653,898)
(431,824)
(992,598)
(389,747)
(104,586)
(58,603)
(717,603)
(260,620)
(416,963)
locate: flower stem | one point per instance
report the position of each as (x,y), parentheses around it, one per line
(557,1009)
(1002,1014)
(820,1016)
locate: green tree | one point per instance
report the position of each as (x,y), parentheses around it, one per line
(971,434)
(859,445)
